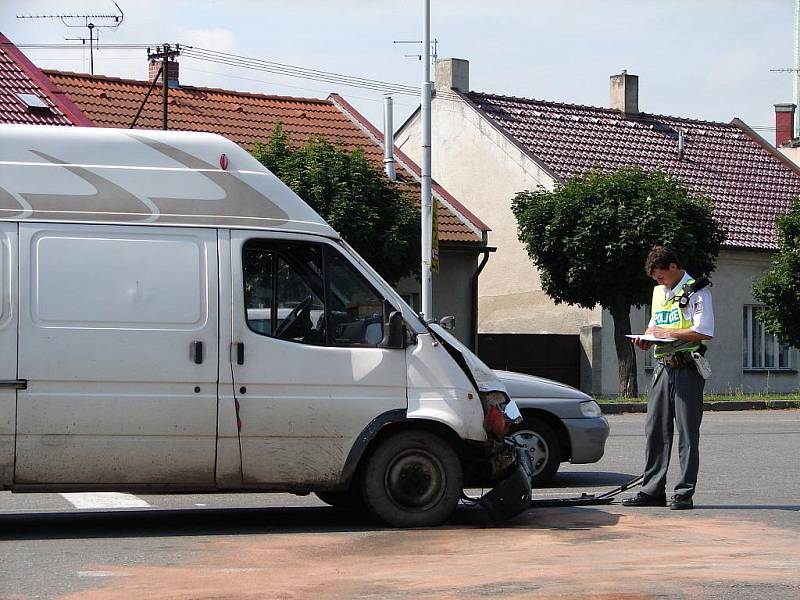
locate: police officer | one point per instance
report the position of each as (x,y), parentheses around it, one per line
(682,312)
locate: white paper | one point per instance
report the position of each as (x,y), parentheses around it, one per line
(646,337)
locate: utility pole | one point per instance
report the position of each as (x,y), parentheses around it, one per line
(427,205)
(165,53)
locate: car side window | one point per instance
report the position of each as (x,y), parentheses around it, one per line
(284,290)
(355,309)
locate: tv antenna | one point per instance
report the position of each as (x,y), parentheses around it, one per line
(88,21)
(796,69)
(434,48)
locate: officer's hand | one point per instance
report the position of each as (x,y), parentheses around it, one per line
(642,344)
(662,332)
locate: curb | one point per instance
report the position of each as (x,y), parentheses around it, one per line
(615,408)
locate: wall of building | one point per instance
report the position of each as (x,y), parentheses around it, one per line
(791,152)
(481,168)
(452,293)
(732,290)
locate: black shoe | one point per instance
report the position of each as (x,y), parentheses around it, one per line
(681,502)
(642,499)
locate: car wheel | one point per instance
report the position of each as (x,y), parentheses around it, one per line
(349,499)
(413,479)
(543,447)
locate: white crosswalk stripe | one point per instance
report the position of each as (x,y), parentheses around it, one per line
(104,500)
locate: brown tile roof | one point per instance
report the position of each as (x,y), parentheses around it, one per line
(18,75)
(244,118)
(749,184)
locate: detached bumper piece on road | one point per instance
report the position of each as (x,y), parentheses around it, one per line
(511,496)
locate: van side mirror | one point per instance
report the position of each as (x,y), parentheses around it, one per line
(394,329)
(448,323)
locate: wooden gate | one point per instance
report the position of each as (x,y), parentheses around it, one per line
(552,356)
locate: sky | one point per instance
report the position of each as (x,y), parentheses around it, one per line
(706,59)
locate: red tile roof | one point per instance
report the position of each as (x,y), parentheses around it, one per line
(18,75)
(242,117)
(748,182)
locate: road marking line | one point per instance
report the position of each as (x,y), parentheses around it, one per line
(104,500)
(100,574)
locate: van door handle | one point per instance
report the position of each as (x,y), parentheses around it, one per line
(240,353)
(14,384)
(196,352)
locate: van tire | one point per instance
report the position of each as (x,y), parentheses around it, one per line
(413,479)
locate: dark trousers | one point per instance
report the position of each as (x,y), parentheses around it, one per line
(676,399)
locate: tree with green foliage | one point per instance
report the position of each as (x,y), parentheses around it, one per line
(779,289)
(366,208)
(589,238)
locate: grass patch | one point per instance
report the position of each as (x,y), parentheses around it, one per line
(736,397)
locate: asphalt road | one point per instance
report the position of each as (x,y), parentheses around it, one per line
(742,541)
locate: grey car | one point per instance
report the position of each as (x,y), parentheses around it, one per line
(559,424)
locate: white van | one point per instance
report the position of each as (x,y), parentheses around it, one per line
(174,318)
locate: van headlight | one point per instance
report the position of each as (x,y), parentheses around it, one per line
(497,414)
(590,408)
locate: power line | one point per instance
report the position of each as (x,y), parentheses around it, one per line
(276,68)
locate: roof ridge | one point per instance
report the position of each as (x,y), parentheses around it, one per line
(145,83)
(611,111)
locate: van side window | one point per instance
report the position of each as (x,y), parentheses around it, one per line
(356,311)
(283,290)
(308,293)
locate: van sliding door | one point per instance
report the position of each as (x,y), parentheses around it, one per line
(118,343)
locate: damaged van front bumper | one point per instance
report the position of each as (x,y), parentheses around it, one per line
(512,495)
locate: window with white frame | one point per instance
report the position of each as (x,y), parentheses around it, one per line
(761,349)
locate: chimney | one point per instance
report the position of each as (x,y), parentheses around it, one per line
(784,123)
(172,72)
(452,74)
(624,93)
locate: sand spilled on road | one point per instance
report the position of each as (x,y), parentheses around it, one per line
(580,553)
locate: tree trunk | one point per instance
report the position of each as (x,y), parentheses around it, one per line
(626,356)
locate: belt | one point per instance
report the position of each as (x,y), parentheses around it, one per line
(679,359)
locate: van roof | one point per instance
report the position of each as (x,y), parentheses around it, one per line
(134,176)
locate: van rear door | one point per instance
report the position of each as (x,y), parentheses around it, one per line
(118,342)
(8,349)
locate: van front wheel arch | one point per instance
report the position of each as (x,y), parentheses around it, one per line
(412,479)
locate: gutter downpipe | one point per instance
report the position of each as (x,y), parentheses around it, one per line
(474,287)
(427,207)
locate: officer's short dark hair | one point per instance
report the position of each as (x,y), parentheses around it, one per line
(660,257)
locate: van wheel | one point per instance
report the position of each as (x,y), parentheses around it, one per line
(543,447)
(349,499)
(413,479)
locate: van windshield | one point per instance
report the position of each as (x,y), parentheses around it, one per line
(409,314)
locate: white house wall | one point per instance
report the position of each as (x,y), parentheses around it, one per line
(452,291)
(481,168)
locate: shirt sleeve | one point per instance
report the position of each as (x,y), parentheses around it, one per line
(703,313)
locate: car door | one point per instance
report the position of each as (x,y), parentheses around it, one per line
(119,347)
(308,371)
(8,349)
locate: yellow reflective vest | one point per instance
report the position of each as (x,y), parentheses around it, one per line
(668,314)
